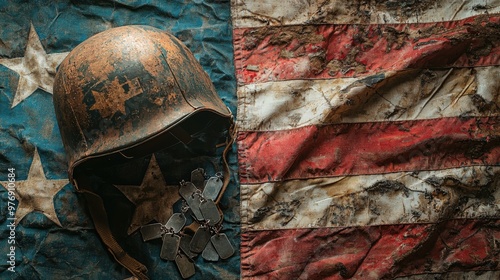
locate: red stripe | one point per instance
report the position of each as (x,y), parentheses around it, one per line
(325,51)
(368,148)
(371,252)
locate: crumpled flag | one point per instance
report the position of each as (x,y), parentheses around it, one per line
(53,235)
(369,138)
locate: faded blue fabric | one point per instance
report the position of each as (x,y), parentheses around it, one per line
(43,249)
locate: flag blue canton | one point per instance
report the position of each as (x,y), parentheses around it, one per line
(54,236)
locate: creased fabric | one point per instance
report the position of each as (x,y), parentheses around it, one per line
(54,235)
(368,142)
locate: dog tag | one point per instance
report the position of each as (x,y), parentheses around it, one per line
(198,178)
(185,266)
(222,245)
(210,212)
(210,254)
(151,231)
(170,247)
(187,189)
(176,222)
(200,240)
(212,188)
(184,245)
(194,202)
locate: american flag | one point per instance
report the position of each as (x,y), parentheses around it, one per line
(367,143)
(368,139)
(53,233)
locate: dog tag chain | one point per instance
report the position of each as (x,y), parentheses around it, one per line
(198,200)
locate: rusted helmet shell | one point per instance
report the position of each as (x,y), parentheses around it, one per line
(127,88)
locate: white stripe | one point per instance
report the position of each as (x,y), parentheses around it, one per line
(255,13)
(382,199)
(402,95)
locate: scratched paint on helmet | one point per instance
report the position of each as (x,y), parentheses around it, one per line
(107,103)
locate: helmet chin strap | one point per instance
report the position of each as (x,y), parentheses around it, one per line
(101,224)
(227,173)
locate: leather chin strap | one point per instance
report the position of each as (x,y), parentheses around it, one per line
(227,171)
(101,224)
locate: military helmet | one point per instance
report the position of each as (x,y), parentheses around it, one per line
(125,93)
(131,90)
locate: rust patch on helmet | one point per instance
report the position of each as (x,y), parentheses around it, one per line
(113,99)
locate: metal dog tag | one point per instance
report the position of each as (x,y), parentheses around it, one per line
(176,222)
(185,242)
(213,188)
(210,254)
(210,212)
(200,240)
(194,202)
(198,178)
(185,266)
(170,247)
(222,245)
(151,231)
(187,189)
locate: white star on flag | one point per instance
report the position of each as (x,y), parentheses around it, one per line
(36,69)
(36,193)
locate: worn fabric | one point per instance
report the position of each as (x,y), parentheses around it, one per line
(54,235)
(368,139)
(367,144)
